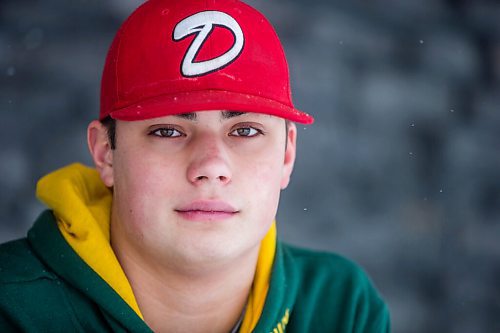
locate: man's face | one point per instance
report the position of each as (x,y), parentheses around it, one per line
(200,187)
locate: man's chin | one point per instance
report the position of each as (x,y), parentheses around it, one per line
(207,253)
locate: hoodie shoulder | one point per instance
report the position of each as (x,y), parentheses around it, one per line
(327,264)
(335,294)
(32,298)
(18,263)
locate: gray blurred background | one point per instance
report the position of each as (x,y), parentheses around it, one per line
(399,172)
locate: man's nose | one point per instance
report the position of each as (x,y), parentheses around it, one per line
(209,163)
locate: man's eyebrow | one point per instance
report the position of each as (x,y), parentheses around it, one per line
(224,114)
(188,116)
(231,114)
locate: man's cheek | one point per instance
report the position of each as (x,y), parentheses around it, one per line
(267,172)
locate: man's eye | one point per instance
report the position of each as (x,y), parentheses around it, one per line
(246,132)
(166,133)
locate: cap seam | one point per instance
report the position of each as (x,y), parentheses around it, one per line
(282,52)
(283,55)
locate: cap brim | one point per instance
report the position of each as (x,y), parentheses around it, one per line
(206,100)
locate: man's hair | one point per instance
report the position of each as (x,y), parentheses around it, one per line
(110,125)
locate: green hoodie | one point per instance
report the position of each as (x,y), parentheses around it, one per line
(64,276)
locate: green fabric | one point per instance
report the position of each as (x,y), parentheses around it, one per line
(323,292)
(46,287)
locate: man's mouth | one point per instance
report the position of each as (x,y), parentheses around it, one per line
(206,210)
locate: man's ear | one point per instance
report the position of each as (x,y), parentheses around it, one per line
(290,152)
(100,149)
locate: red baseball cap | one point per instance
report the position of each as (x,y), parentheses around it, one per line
(172,57)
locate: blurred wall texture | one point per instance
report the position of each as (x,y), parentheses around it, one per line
(400,172)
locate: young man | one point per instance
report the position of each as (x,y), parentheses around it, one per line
(173,231)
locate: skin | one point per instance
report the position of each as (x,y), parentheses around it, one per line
(193,196)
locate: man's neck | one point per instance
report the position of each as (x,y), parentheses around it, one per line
(188,301)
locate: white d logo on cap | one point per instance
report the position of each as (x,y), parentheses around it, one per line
(202,24)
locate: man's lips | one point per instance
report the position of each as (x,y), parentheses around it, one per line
(204,210)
